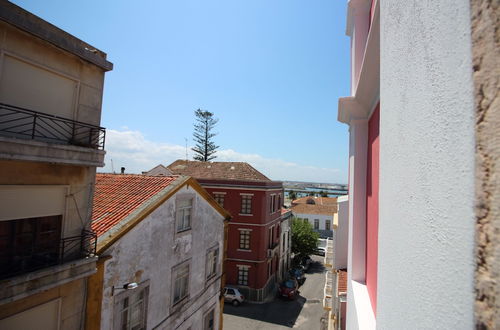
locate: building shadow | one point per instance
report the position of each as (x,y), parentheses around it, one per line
(316,267)
(280,311)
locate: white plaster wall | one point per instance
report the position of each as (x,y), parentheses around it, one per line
(322,219)
(147,253)
(341,233)
(426,228)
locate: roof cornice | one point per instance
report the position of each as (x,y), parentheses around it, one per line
(32,24)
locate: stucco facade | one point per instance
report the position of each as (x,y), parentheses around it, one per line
(47,174)
(485,17)
(411,166)
(148,255)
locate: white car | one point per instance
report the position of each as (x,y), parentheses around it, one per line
(233,296)
(320,251)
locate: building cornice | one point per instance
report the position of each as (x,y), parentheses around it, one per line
(367,93)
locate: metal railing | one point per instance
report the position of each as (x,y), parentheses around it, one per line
(28,124)
(39,257)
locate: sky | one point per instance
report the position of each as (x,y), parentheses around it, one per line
(270,71)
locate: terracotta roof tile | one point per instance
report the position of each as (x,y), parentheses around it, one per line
(314,209)
(118,195)
(217,170)
(317,200)
(342,282)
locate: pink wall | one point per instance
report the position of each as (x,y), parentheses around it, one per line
(372,180)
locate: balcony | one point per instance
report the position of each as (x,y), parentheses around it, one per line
(329,254)
(44,137)
(42,268)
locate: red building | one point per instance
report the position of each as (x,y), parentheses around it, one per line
(254,202)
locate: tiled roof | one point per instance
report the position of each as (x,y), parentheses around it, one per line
(118,195)
(314,209)
(342,282)
(317,200)
(217,170)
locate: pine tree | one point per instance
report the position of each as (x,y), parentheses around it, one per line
(203,136)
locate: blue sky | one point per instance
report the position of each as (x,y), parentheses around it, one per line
(271,71)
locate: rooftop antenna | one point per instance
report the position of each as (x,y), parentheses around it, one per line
(186,148)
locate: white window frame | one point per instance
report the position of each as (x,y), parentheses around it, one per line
(219,197)
(248,233)
(181,277)
(184,214)
(247,208)
(245,269)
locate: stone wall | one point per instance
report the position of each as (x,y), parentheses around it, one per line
(486,66)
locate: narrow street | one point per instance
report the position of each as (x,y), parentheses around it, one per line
(304,312)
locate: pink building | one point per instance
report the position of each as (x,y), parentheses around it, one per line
(413,207)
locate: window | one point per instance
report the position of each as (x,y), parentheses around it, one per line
(131,308)
(327,225)
(269,269)
(279,202)
(181,282)
(212,259)
(245,239)
(271,236)
(219,198)
(246,204)
(208,322)
(316,224)
(184,208)
(271,204)
(243,275)
(29,244)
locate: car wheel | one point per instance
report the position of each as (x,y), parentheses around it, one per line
(235,302)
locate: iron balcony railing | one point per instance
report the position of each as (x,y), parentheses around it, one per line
(41,256)
(28,124)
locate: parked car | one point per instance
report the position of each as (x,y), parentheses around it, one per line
(320,251)
(233,296)
(288,289)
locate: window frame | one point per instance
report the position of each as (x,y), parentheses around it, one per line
(211,311)
(243,272)
(175,276)
(316,224)
(246,204)
(245,234)
(180,210)
(119,309)
(212,262)
(219,197)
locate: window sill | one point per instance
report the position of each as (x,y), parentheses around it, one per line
(243,250)
(183,231)
(245,214)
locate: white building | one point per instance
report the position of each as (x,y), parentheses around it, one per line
(335,292)
(423,138)
(318,211)
(161,250)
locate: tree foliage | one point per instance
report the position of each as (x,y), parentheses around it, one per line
(203,135)
(292,195)
(304,238)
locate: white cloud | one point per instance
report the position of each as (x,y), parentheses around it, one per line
(134,152)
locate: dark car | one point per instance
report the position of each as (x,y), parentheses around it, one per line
(288,289)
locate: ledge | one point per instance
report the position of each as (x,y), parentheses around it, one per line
(31,150)
(367,92)
(362,307)
(25,285)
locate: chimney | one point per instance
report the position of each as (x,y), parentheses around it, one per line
(123,170)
